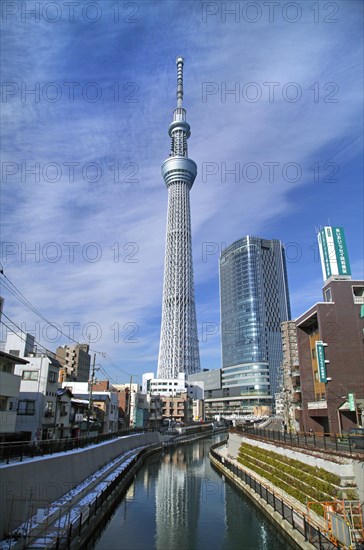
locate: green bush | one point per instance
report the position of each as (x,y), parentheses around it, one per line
(302,481)
(326,489)
(307,490)
(301,466)
(351,494)
(298,479)
(289,489)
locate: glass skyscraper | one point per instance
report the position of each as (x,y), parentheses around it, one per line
(254,301)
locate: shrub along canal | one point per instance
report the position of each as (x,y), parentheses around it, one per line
(178,501)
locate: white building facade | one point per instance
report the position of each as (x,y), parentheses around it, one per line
(106,401)
(36,409)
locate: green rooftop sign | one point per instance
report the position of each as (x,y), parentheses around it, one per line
(333,252)
(341,252)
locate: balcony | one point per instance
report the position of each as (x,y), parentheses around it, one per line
(9,384)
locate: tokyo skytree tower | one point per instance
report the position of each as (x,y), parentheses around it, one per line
(178,350)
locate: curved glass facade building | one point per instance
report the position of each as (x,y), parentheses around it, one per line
(254,301)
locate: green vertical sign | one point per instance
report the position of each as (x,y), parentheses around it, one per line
(351,400)
(341,251)
(325,252)
(320,355)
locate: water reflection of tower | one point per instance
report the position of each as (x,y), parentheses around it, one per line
(240,512)
(178,499)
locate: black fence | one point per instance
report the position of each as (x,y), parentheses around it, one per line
(67,534)
(345,444)
(294,517)
(18,450)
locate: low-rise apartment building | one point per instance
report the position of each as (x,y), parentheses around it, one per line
(9,394)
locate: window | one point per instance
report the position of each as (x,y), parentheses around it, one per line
(358,293)
(52,376)
(49,409)
(26,407)
(6,368)
(30,374)
(328,296)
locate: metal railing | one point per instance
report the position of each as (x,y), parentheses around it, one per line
(297,520)
(18,450)
(67,533)
(340,443)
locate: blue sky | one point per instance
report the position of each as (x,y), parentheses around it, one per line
(95,132)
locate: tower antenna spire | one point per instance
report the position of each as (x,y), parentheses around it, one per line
(180,61)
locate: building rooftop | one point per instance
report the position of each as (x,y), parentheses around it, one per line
(15,358)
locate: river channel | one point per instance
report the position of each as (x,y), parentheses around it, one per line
(178,501)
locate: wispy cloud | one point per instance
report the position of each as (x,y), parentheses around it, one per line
(128,141)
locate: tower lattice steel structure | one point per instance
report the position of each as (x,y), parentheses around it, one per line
(178,351)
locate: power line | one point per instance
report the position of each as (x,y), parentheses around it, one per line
(51,353)
(20,296)
(32,308)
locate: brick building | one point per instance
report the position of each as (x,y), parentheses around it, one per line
(331,359)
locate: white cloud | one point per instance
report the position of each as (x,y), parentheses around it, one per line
(109,292)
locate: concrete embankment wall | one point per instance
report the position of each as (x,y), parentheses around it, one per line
(26,486)
(349,469)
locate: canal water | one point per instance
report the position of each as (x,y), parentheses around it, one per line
(178,501)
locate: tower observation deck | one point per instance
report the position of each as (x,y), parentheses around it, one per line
(179,349)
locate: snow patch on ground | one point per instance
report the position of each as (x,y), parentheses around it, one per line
(73,511)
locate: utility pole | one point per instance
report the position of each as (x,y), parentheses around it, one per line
(129,403)
(92,381)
